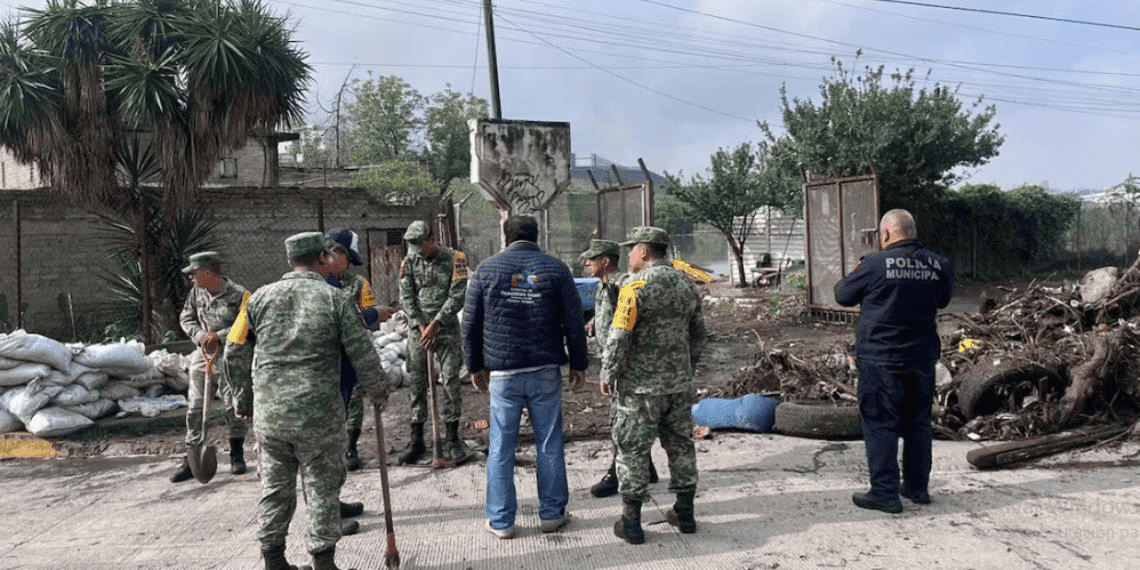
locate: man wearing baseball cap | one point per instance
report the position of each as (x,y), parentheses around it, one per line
(344,246)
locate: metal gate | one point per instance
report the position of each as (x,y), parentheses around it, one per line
(841,225)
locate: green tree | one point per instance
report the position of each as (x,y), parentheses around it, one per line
(447,133)
(191,79)
(916,137)
(737,185)
(383,119)
(396,181)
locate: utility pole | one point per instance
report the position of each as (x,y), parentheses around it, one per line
(493,65)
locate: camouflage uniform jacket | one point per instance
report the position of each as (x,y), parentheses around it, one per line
(204,312)
(657,335)
(294,329)
(433,289)
(605,299)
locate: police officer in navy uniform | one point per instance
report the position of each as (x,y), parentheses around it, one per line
(900,290)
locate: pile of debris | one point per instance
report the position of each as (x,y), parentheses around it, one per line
(785,369)
(1036,361)
(1044,359)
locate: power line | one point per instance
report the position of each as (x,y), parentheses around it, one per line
(1000,13)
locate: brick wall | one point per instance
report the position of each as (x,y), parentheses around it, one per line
(61,250)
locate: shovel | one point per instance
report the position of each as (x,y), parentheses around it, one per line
(437,460)
(392,557)
(203,458)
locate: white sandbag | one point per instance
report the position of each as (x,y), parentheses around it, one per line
(121,359)
(9,422)
(119,390)
(75,394)
(20,345)
(177,383)
(171,364)
(390,338)
(28,400)
(6,363)
(24,373)
(401,348)
(57,377)
(389,356)
(93,380)
(54,421)
(151,407)
(76,370)
(100,408)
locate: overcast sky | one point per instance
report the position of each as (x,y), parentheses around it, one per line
(671,81)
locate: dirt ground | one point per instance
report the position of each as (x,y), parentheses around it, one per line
(740,321)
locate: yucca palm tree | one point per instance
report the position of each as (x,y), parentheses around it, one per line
(192,78)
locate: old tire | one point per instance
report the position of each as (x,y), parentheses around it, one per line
(818,419)
(975,392)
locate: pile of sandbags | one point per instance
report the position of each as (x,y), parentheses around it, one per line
(391,343)
(53,389)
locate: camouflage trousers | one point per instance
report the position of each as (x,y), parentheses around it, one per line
(195,402)
(321,463)
(354,413)
(637,421)
(449,352)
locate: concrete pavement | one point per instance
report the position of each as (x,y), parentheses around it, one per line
(765,501)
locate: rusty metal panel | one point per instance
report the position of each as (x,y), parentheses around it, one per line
(385,254)
(840,217)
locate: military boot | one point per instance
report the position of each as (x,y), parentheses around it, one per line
(353,459)
(183,472)
(457,451)
(274,557)
(608,486)
(681,515)
(237,455)
(416,449)
(628,527)
(324,559)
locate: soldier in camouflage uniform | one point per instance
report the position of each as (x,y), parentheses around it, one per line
(344,248)
(601,261)
(294,330)
(657,336)
(210,309)
(433,280)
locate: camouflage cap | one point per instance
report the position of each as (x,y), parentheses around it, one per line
(647,234)
(303,243)
(202,259)
(418,232)
(601,247)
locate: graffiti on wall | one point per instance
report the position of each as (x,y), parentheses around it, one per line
(520,166)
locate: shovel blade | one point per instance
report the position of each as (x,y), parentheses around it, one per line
(203,462)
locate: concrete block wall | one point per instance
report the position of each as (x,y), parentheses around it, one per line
(61,249)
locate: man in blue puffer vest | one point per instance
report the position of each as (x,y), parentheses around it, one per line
(522,314)
(900,289)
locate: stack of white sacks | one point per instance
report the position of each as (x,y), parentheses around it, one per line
(391,343)
(53,389)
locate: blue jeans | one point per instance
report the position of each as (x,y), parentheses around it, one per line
(541,393)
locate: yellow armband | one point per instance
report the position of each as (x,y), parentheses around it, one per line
(240,329)
(625,314)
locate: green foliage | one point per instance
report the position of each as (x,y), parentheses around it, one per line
(797,280)
(738,183)
(916,137)
(1008,231)
(383,119)
(396,181)
(447,134)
